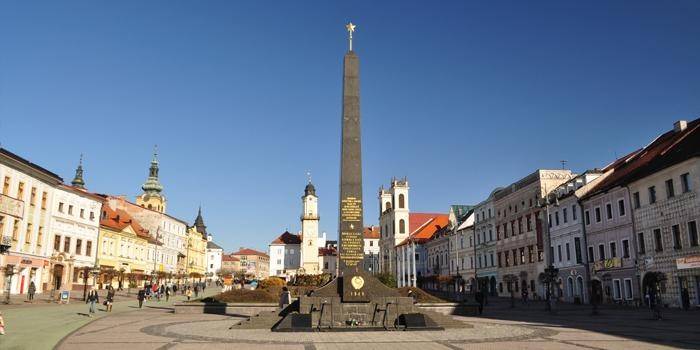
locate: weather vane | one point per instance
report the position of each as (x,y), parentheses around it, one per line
(351,28)
(308,175)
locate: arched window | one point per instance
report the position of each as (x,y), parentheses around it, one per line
(402,226)
(570,286)
(387,205)
(386,231)
(402,203)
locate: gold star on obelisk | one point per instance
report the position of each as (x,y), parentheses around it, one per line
(351,28)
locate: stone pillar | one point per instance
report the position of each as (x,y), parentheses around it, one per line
(413,258)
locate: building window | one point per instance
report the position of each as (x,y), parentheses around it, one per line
(617,295)
(402,201)
(529,223)
(676,230)
(402,226)
(608,211)
(92,216)
(88,248)
(590,254)
(597,214)
(6,186)
(506,257)
(601,251)
(587,217)
(78,246)
(15,230)
(556,217)
(693,233)
(40,236)
(568,252)
(565,214)
(670,192)
(515,257)
(530,255)
(28,235)
(621,207)
(559,252)
(499,258)
(625,248)
(685,182)
(60,207)
(44,195)
(652,195)
(628,288)
(66,245)
(32,197)
(657,240)
(549,218)
(2,225)
(642,246)
(20,190)
(613,250)
(56,242)
(635,198)
(573,212)
(522,255)
(577,249)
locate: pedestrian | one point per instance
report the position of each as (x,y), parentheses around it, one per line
(479,296)
(285,297)
(31,290)
(141,296)
(188,293)
(91,299)
(2,325)
(161,291)
(524,294)
(167,293)
(196,290)
(110,298)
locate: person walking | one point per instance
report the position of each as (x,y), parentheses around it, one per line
(141,296)
(92,298)
(110,298)
(167,294)
(196,290)
(2,324)
(479,296)
(285,297)
(188,293)
(524,294)
(31,290)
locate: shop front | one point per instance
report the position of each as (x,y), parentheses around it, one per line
(21,270)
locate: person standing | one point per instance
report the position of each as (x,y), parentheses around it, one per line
(31,290)
(188,293)
(479,296)
(141,296)
(524,294)
(110,298)
(196,290)
(167,293)
(92,298)
(285,297)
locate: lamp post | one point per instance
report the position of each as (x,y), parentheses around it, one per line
(10,271)
(550,273)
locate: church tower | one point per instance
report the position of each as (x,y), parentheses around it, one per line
(78,181)
(309,231)
(152,197)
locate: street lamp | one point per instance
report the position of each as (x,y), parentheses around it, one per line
(550,273)
(10,271)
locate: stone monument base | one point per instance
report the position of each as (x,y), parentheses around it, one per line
(382,308)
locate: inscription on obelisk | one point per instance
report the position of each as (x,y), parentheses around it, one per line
(351,243)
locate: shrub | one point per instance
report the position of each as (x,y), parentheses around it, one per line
(271,283)
(244,296)
(388,279)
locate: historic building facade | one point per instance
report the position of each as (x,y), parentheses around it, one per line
(285,255)
(254,264)
(485,235)
(310,264)
(370,236)
(567,239)
(519,232)
(26,201)
(214,259)
(666,207)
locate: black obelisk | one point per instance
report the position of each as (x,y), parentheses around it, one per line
(350,217)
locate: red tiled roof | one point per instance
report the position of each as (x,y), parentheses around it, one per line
(287,238)
(371,232)
(666,150)
(119,220)
(327,251)
(226,257)
(248,251)
(426,229)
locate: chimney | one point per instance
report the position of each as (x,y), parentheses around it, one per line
(680,125)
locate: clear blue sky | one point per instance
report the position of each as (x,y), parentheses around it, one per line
(243,98)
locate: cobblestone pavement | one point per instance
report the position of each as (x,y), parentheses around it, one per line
(160,329)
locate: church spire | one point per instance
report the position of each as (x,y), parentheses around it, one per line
(199,223)
(78,179)
(152,184)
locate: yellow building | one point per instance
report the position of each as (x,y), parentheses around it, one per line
(125,250)
(196,252)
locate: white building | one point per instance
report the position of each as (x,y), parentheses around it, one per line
(214,255)
(329,261)
(74,230)
(285,255)
(25,217)
(370,237)
(485,245)
(462,254)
